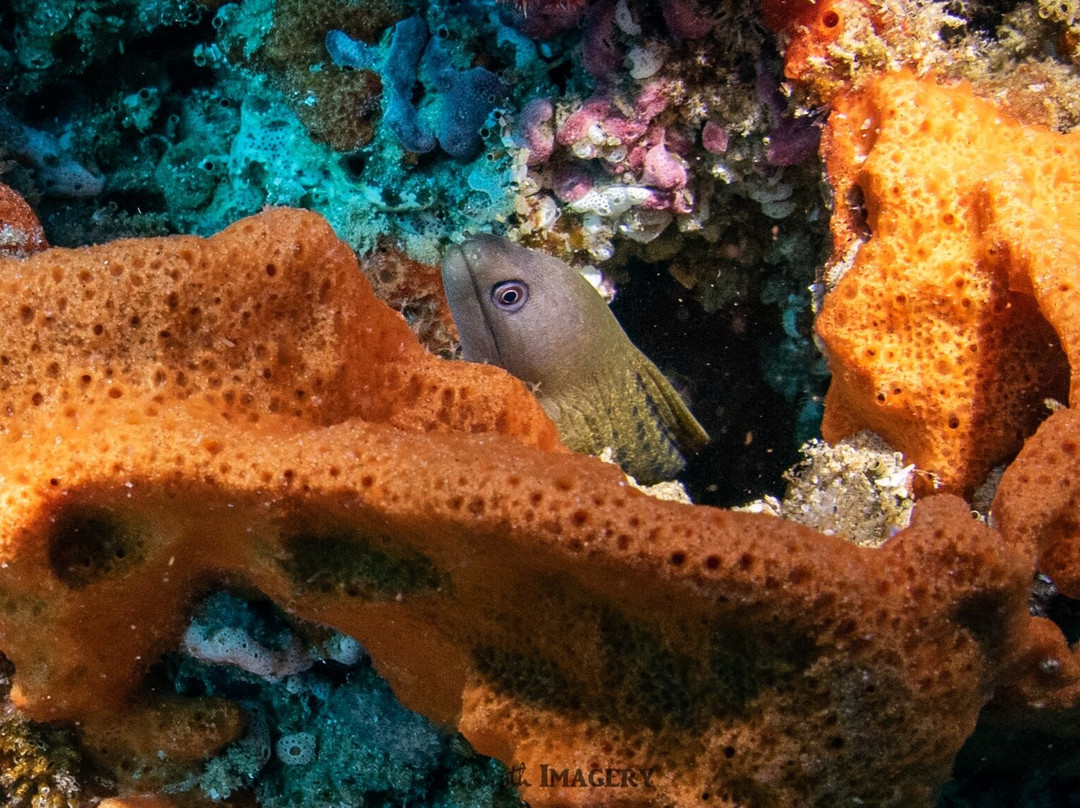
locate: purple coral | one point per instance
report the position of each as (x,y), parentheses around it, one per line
(597,121)
(714,138)
(663,170)
(466,99)
(687,19)
(600,55)
(627,142)
(536,129)
(654,98)
(571,183)
(791,140)
(539,19)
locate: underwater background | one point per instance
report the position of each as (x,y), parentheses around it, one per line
(657,144)
(131,119)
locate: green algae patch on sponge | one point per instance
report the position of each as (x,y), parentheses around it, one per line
(39,765)
(940,327)
(229,401)
(345,563)
(89,544)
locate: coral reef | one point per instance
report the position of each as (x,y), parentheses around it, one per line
(69,37)
(465,98)
(284,40)
(1021,57)
(857,488)
(242,106)
(947,288)
(241,410)
(835,46)
(414,289)
(194,121)
(49,159)
(654,153)
(40,767)
(325,732)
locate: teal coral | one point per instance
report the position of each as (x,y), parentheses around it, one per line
(282,40)
(398,69)
(374,192)
(261,115)
(69,36)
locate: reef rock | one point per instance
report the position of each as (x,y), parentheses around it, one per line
(952,276)
(181,414)
(20,231)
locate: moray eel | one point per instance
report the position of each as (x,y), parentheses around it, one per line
(538,318)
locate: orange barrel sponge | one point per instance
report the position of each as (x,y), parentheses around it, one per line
(181,414)
(940,324)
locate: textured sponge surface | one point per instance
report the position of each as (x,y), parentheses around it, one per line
(183,414)
(934,336)
(270,318)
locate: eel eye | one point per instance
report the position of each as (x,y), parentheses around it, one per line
(510,295)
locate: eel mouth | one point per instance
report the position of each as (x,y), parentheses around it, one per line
(466,300)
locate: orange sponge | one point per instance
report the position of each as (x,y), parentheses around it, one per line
(271,336)
(1037,507)
(181,414)
(1037,503)
(936,333)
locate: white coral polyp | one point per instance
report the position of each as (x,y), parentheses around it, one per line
(584,150)
(644,225)
(612,201)
(644,61)
(297,749)
(624,18)
(596,134)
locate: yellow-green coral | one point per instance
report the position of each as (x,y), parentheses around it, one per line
(37,763)
(37,766)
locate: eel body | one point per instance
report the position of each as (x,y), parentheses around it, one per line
(538,318)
